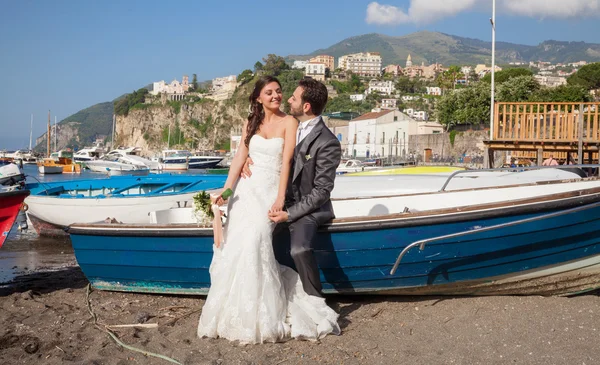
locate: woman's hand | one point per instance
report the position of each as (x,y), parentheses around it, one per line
(278,205)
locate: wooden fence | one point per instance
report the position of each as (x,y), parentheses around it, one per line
(547,122)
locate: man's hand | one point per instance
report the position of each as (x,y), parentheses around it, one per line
(278,217)
(246,168)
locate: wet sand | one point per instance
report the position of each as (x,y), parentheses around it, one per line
(45,319)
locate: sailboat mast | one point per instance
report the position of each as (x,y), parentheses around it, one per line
(48,135)
(55,135)
(30,132)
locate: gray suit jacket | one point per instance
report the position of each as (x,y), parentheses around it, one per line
(311,179)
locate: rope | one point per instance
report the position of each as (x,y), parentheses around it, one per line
(115,338)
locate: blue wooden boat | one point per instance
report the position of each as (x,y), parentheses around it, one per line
(54,206)
(543,245)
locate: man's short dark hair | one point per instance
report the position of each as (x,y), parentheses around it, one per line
(314,93)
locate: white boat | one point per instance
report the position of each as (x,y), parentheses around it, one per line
(121,158)
(56,205)
(88,154)
(174,159)
(11,175)
(49,166)
(130,170)
(352,166)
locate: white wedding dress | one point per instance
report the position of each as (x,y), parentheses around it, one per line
(252,298)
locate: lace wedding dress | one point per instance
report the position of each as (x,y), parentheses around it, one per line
(252,298)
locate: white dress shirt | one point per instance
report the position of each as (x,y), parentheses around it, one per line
(305,127)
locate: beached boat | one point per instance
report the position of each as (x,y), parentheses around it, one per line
(412,170)
(53,206)
(353,166)
(539,238)
(10,203)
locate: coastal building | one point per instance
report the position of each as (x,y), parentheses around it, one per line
(382,87)
(408,61)
(235,139)
(222,88)
(329,61)
(551,81)
(393,70)
(389,104)
(357,97)
(174,88)
(416,114)
(315,70)
(385,133)
(434,90)
(365,64)
(481,70)
(299,64)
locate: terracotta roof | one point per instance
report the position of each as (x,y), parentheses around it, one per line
(372,115)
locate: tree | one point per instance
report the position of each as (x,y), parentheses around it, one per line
(505,75)
(470,105)
(274,65)
(194,82)
(588,77)
(245,77)
(517,89)
(447,79)
(562,93)
(258,67)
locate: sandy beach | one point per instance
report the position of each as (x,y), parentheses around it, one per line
(45,319)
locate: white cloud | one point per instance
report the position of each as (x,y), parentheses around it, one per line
(428,11)
(553,8)
(420,11)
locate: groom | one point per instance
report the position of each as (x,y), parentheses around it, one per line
(316,157)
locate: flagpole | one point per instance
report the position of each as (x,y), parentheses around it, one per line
(492,106)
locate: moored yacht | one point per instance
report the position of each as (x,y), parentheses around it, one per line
(87,154)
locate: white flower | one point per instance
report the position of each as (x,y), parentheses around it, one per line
(307,157)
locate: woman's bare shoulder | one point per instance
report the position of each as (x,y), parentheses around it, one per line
(288,120)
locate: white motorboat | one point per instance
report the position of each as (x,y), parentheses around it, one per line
(174,159)
(11,175)
(121,158)
(88,154)
(128,170)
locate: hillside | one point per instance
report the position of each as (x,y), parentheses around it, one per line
(431,47)
(81,128)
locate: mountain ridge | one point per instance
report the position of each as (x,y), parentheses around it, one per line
(430,47)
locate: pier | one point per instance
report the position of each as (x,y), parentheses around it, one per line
(568,131)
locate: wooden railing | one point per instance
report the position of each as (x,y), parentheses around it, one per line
(547,122)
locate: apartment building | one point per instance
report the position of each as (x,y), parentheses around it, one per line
(365,64)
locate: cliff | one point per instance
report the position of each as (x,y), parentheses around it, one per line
(200,125)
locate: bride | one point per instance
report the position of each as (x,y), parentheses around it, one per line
(252,298)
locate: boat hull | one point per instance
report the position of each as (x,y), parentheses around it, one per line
(559,255)
(10,203)
(203,163)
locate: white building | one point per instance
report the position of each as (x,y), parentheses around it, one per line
(389,103)
(224,84)
(315,70)
(175,87)
(299,64)
(235,139)
(357,97)
(434,91)
(551,81)
(382,87)
(385,133)
(410,97)
(366,64)
(416,114)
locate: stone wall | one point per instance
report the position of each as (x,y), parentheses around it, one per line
(468,143)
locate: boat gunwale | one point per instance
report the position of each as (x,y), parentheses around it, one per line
(551,202)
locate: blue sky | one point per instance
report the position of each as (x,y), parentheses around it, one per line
(67,55)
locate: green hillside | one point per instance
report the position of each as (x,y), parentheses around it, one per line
(431,47)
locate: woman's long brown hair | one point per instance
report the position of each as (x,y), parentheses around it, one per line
(257,112)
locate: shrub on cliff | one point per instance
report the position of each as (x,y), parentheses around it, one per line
(123,105)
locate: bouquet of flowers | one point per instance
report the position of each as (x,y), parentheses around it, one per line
(206,210)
